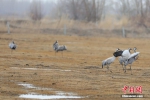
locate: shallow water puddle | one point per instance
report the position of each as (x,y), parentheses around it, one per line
(58,95)
(27,85)
(41,69)
(31,86)
(36,96)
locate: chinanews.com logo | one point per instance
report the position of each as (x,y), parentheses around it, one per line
(132,92)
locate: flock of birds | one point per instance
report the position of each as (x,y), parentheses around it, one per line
(56,47)
(125,56)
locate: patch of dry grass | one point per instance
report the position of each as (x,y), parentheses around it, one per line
(83,60)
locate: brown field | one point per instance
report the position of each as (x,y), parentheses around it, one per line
(78,71)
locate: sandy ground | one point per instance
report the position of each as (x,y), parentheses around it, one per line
(78,71)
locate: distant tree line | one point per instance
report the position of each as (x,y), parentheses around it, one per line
(88,10)
(93,10)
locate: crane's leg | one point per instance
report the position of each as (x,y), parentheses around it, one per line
(11,54)
(130,66)
(124,69)
(123,64)
(62,53)
(131,72)
(108,68)
(131,69)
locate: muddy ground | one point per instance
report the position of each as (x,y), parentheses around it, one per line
(79,70)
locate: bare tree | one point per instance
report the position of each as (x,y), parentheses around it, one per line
(147,7)
(123,7)
(89,10)
(70,7)
(94,9)
(100,9)
(74,9)
(36,10)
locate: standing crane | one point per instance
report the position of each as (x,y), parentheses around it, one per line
(134,56)
(108,61)
(55,46)
(58,48)
(12,46)
(61,48)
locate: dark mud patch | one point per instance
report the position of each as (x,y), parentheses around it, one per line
(146,74)
(91,67)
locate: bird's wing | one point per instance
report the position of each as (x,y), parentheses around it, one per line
(15,46)
(120,58)
(11,45)
(126,56)
(110,60)
(131,60)
(134,55)
(126,53)
(60,48)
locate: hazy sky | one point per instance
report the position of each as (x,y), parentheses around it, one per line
(22,7)
(40,0)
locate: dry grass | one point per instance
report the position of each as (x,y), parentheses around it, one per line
(109,22)
(83,58)
(78,28)
(109,27)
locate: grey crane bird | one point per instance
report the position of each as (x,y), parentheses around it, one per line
(55,46)
(61,48)
(108,61)
(119,53)
(122,60)
(12,46)
(124,57)
(130,60)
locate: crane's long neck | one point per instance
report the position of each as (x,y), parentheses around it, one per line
(134,50)
(114,58)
